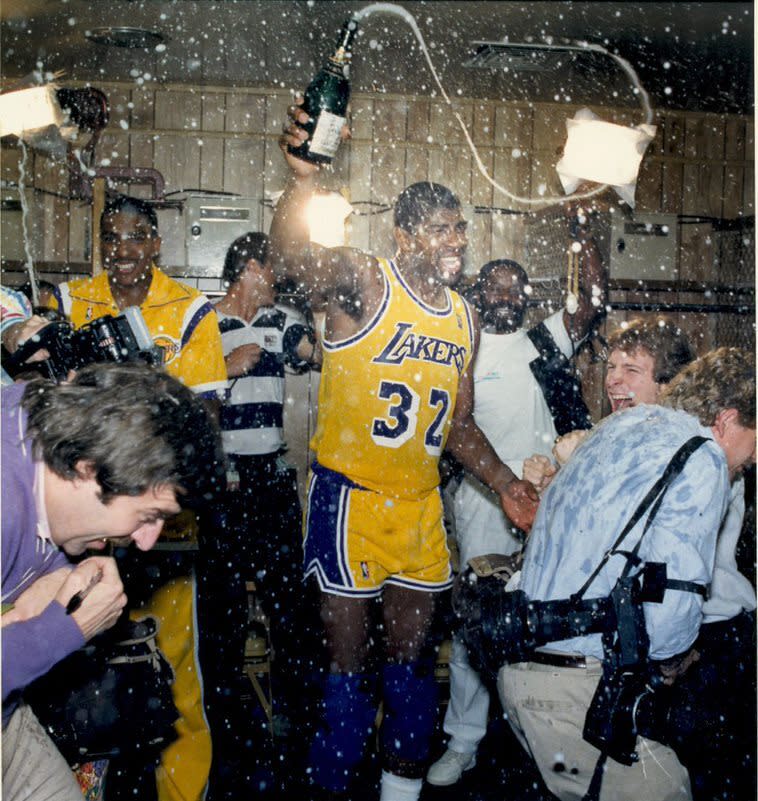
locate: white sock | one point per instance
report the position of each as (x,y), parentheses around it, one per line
(396,788)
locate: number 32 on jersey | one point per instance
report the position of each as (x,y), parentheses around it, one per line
(403,417)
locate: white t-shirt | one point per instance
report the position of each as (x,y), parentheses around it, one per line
(731,592)
(511,410)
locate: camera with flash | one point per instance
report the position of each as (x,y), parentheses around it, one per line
(121,338)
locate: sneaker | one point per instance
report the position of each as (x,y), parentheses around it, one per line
(449,768)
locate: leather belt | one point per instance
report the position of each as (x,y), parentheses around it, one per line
(555,659)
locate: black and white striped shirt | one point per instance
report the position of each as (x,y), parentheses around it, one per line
(251,417)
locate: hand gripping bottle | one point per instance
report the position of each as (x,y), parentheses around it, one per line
(325,102)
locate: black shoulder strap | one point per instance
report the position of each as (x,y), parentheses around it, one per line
(688,586)
(543,340)
(559,384)
(653,499)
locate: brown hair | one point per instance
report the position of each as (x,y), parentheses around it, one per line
(138,427)
(662,339)
(722,379)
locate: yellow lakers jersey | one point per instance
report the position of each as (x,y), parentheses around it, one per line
(180,319)
(387,393)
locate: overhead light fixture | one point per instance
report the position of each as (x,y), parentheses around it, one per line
(603,152)
(135,38)
(521,56)
(597,151)
(28,111)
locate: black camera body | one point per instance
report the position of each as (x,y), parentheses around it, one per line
(627,702)
(122,338)
(630,698)
(501,627)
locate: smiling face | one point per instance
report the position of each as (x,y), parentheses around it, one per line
(79,520)
(630,379)
(129,247)
(439,243)
(503,300)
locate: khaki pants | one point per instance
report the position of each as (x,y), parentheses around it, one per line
(33,768)
(546,707)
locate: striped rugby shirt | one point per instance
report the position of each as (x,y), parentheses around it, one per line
(251,417)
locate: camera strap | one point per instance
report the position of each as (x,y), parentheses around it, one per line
(653,499)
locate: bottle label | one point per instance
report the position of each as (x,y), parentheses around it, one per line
(232,479)
(326,136)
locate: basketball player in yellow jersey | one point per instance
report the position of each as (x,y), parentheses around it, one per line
(396,390)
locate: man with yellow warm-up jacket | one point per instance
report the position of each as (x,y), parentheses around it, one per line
(182,321)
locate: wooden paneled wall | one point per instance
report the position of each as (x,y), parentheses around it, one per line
(225,140)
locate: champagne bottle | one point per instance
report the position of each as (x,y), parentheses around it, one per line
(325,102)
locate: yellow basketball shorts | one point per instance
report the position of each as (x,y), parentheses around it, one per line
(357,540)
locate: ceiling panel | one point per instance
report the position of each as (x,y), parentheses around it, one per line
(689,56)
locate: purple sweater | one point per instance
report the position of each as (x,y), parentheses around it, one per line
(30,648)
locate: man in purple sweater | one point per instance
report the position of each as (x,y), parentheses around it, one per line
(104,458)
